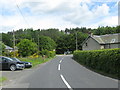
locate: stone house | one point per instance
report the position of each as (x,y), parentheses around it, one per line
(95,42)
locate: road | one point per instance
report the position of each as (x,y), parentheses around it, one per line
(61,72)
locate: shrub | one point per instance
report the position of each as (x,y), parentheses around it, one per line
(107,60)
(26,47)
(35,55)
(52,53)
(14,53)
(47,53)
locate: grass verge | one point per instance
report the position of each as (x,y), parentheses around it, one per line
(35,61)
(2,79)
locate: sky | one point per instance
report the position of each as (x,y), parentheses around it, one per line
(61,14)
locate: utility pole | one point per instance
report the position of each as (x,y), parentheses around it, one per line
(76,42)
(14,42)
(38,41)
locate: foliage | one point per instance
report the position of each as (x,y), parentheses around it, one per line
(47,53)
(2,48)
(107,61)
(64,39)
(35,61)
(14,54)
(67,42)
(7,39)
(35,55)
(2,79)
(46,43)
(26,47)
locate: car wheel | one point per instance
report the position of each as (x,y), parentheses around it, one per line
(12,67)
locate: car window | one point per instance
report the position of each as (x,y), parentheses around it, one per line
(3,59)
(6,58)
(15,59)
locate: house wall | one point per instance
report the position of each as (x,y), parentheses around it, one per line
(112,46)
(91,45)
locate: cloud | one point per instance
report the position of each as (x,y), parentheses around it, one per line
(109,21)
(83,14)
(56,14)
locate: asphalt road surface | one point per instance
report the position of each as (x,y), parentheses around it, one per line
(61,72)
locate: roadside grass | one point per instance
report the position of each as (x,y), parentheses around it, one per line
(2,79)
(36,61)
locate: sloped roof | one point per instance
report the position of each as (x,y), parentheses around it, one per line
(105,39)
(8,48)
(108,38)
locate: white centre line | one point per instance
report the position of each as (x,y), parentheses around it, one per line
(60,61)
(59,67)
(66,83)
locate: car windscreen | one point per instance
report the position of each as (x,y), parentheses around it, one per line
(15,59)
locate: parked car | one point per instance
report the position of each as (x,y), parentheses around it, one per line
(67,52)
(8,63)
(27,64)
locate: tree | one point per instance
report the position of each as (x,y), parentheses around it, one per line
(68,42)
(2,48)
(7,39)
(26,47)
(46,43)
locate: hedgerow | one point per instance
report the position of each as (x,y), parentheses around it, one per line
(106,60)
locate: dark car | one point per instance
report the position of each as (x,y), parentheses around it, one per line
(27,64)
(8,63)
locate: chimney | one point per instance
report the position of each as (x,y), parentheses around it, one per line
(90,34)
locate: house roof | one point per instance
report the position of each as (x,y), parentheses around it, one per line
(105,39)
(8,48)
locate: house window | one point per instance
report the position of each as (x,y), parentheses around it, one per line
(113,41)
(86,44)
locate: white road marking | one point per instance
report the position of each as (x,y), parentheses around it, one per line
(59,67)
(66,83)
(60,61)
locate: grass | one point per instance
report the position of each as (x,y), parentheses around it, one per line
(35,61)
(2,79)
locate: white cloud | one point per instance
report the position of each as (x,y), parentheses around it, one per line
(109,21)
(83,14)
(56,14)
(101,10)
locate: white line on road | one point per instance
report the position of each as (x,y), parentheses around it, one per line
(60,61)
(66,83)
(59,67)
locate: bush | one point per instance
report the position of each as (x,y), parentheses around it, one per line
(26,47)
(47,53)
(35,55)
(107,60)
(52,53)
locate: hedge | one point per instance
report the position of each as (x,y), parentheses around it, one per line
(105,60)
